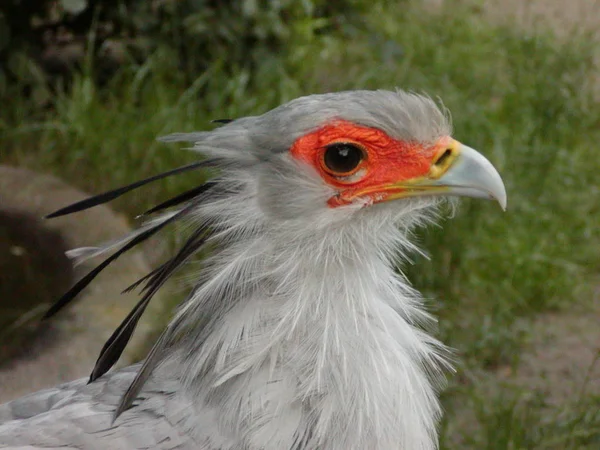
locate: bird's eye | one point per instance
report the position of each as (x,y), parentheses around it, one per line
(342,158)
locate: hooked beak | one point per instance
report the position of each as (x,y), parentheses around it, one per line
(459,171)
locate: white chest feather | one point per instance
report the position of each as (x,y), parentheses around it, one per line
(315,346)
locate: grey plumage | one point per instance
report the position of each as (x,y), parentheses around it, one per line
(78,415)
(299,333)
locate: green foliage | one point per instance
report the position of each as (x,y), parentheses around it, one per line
(514,419)
(42,41)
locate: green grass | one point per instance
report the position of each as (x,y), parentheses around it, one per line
(523,100)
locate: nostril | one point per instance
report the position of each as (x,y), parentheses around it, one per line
(444,157)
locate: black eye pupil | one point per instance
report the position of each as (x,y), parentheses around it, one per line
(342,158)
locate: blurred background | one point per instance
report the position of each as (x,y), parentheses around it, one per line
(87,85)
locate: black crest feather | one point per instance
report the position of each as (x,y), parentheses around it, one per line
(152,282)
(113,348)
(115,193)
(181,198)
(89,277)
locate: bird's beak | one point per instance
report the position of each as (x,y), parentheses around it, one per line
(457,170)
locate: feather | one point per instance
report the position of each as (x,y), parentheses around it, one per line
(82,254)
(89,277)
(115,193)
(183,197)
(113,348)
(153,272)
(152,360)
(189,248)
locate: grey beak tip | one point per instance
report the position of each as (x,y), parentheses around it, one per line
(502,202)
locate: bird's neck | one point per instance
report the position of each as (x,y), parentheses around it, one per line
(313,343)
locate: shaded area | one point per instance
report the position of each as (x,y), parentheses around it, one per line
(34,271)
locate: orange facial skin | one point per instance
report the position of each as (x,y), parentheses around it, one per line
(386,161)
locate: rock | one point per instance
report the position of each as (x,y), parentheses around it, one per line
(66,347)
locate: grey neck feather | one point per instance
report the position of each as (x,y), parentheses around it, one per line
(313,340)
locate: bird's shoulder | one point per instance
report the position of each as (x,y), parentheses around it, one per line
(78,415)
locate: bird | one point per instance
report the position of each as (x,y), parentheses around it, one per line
(301,331)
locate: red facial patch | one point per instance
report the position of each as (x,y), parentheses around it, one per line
(386,161)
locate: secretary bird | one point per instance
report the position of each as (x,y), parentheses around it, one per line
(299,333)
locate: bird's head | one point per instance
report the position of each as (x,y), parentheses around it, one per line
(331,155)
(314,162)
